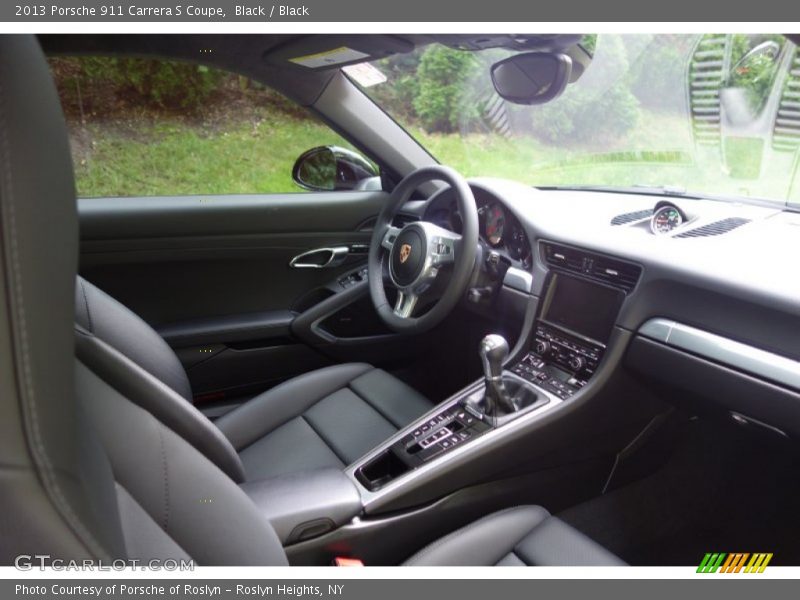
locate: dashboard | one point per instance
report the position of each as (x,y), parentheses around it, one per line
(711,289)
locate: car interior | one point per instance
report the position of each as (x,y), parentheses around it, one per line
(408,368)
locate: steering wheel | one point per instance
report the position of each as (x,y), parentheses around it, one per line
(418,251)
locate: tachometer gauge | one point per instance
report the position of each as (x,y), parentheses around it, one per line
(494,224)
(666,219)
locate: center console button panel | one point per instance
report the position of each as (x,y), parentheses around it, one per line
(451,427)
(560,363)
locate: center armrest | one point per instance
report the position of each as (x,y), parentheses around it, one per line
(306,504)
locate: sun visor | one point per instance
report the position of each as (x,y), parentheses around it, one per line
(319,53)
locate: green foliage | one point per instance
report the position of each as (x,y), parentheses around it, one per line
(580,117)
(397,97)
(145,82)
(440,103)
(755,74)
(744,155)
(169,84)
(319,170)
(589,43)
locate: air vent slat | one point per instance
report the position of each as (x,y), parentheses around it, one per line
(610,271)
(716,228)
(630,217)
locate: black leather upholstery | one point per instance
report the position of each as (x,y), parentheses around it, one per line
(326,418)
(525,535)
(186,500)
(136,488)
(109,320)
(150,393)
(45,456)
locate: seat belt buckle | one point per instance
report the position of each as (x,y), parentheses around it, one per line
(347,561)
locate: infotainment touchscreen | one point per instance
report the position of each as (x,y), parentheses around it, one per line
(582,307)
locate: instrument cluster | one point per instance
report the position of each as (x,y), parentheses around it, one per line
(499,228)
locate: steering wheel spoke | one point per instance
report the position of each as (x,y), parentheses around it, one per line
(405,303)
(443,247)
(389,237)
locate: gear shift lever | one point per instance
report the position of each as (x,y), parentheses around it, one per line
(494,351)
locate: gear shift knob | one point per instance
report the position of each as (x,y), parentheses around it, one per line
(494,352)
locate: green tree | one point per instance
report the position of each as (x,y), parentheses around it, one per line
(442,79)
(144,82)
(598,117)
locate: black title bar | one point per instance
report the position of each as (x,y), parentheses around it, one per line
(440,11)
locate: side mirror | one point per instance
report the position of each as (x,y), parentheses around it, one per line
(328,168)
(532,77)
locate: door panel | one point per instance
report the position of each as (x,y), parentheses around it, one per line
(174,216)
(174,259)
(213,275)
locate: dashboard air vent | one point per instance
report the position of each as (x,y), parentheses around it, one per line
(566,258)
(621,274)
(716,228)
(611,271)
(630,217)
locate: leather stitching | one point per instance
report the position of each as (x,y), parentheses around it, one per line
(324,440)
(374,407)
(86,303)
(241,441)
(165,469)
(27,395)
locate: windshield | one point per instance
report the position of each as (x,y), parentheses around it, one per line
(713,114)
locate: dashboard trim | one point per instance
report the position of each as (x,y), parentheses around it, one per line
(518,279)
(722,350)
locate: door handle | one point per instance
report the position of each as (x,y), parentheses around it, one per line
(321,258)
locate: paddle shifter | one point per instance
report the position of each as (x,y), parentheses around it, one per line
(494,352)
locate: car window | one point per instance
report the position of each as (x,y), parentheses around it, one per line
(144,127)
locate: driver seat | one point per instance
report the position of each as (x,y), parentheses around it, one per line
(326,418)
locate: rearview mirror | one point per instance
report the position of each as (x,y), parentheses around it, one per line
(532,77)
(329,168)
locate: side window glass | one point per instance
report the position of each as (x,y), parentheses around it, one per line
(145,127)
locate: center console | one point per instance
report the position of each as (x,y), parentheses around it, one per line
(570,335)
(565,348)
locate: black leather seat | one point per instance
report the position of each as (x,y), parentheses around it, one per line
(326,418)
(87,470)
(521,536)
